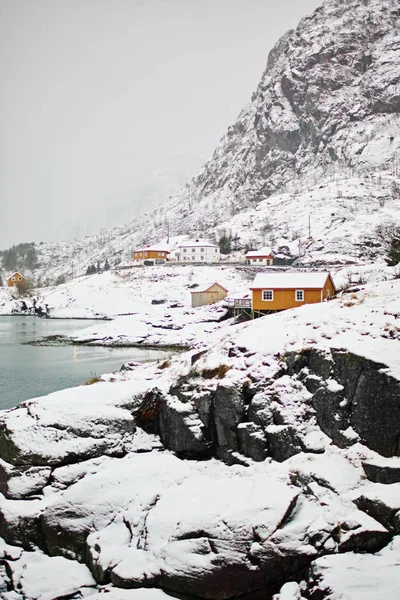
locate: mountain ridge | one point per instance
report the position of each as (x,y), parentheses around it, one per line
(325,116)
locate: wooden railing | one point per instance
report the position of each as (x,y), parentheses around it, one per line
(238,302)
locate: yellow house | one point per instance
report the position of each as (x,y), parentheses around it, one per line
(208,294)
(279,291)
(151,253)
(16,279)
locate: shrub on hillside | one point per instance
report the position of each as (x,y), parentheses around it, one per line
(389,235)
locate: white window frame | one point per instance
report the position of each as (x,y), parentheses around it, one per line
(301,292)
(264,294)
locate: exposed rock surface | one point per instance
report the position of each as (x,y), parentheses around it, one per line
(292,489)
(381,471)
(356,399)
(320,85)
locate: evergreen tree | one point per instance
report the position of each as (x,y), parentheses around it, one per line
(225,244)
(30,257)
(10,259)
(393,252)
(106,265)
(91,270)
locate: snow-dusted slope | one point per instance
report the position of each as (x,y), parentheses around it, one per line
(323,126)
(92,504)
(320,138)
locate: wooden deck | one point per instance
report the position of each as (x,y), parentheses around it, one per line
(243,306)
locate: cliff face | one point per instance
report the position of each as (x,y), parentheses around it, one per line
(330,92)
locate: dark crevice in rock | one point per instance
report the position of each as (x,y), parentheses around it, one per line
(142,537)
(287,517)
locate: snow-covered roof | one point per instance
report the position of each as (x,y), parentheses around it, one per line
(260,253)
(153,249)
(290,280)
(15,273)
(206,286)
(197,244)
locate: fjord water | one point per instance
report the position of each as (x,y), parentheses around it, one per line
(30,371)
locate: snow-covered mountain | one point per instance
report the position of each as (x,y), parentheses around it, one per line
(312,162)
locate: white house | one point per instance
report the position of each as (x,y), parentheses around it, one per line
(198,251)
(262,257)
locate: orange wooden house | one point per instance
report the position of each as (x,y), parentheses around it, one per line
(279,291)
(157,254)
(16,279)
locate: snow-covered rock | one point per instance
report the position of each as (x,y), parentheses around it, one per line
(126,501)
(356,576)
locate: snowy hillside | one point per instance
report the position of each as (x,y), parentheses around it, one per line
(312,162)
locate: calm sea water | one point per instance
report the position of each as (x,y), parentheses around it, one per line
(31,371)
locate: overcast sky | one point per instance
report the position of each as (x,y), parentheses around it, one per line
(104,101)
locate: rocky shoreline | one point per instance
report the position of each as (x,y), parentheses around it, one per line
(268,461)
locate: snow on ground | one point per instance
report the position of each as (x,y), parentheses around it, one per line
(150,514)
(327,220)
(169,321)
(126,297)
(358,576)
(364,322)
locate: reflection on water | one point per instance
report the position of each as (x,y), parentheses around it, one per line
(31,371)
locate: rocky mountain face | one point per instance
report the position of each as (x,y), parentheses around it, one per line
(325,116)
(330,93)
